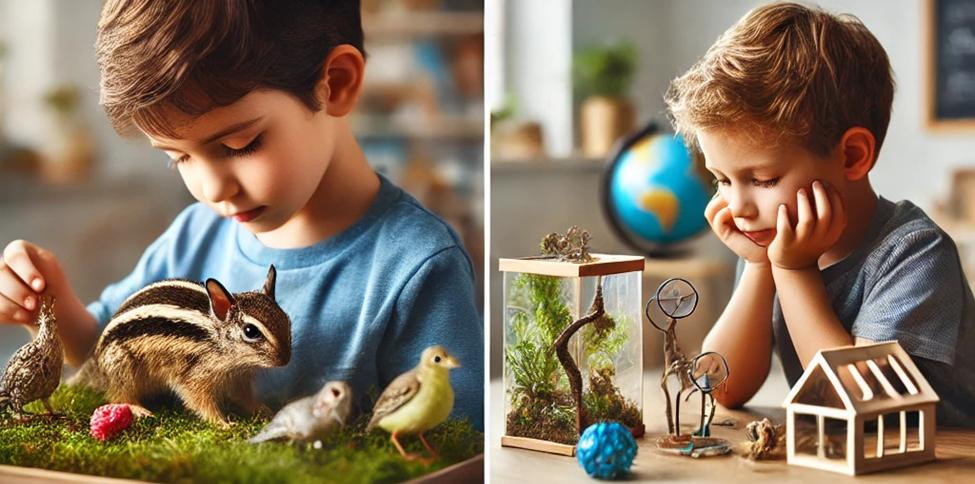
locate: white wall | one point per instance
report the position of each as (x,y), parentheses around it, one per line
(537,67)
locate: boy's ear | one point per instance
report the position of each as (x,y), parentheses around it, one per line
(341,81)
(857,149)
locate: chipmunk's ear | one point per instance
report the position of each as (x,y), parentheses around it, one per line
(272,276)
(220,299)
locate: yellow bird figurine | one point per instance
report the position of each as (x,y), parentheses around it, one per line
(417,400)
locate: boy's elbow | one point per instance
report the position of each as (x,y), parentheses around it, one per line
(729,398)
(729,401)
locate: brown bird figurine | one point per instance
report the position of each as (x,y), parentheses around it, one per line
(34,371)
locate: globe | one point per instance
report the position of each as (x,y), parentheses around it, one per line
(654,194)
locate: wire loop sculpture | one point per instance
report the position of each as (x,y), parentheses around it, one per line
(676,299)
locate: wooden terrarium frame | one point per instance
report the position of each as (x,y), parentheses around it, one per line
(858,386)
(601,267)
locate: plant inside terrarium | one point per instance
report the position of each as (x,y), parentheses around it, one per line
(542,403)
(603,400)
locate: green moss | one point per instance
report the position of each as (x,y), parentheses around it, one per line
(604,401)
(552,419)
(174,446)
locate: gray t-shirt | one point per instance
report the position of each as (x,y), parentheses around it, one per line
(904,282)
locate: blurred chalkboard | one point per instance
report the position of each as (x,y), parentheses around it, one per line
(952,62)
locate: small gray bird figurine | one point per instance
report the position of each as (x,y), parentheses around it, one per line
(34,371)
(310,418)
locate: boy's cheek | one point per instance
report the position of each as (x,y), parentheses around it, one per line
(770,213)
(789,196)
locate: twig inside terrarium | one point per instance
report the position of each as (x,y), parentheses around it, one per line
(596,313)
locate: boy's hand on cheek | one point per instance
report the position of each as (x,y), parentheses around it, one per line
(722,223)
(817,229)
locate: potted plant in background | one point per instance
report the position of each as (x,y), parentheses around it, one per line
(513,138)
(603,76)
(69,155)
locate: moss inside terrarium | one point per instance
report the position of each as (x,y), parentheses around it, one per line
(552,418)
(175,446)
(541,404)
(604,401)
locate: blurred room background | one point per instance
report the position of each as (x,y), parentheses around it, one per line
(550,139)
(69,183)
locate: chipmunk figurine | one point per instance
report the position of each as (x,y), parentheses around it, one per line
(34,371)
(196,340)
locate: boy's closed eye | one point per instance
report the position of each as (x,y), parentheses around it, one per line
(245,150)
(757,182)
(229,151)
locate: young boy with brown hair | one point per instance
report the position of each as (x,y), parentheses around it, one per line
(790,107)
(249,99)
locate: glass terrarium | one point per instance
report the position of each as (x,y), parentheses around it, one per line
(592,311)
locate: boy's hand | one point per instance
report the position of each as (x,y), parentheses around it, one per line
(817,229)
(722,223)
(21,280)
(26,271)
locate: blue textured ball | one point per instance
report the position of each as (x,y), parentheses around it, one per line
(606,450)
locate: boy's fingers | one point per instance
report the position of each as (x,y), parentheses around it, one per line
(824,210)
(19,257)
(724,222)
(806,220)
(15,292)
(715,218)
(723,216)
(782,226)
(714,206)
(839,212)
(12,313)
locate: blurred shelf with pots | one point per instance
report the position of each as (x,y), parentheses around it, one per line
(420,115)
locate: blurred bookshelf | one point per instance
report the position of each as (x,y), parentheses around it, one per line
(422,24)
(420,118)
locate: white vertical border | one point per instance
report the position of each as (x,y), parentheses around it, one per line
(494,88)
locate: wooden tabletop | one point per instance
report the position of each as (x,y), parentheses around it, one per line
(955,449)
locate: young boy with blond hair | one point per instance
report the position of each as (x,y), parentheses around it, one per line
(250,101)
(790,107)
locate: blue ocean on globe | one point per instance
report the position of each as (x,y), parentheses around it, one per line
(656,193)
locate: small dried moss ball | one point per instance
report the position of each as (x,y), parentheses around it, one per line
(606,450)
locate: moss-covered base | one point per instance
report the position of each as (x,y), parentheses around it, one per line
(605,402)
(553,419)
(174,446)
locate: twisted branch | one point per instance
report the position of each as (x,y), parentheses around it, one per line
(561,346)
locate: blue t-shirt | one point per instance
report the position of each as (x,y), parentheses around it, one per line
(904,282)
(363,304)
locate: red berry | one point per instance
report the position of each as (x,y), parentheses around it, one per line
(109,420)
